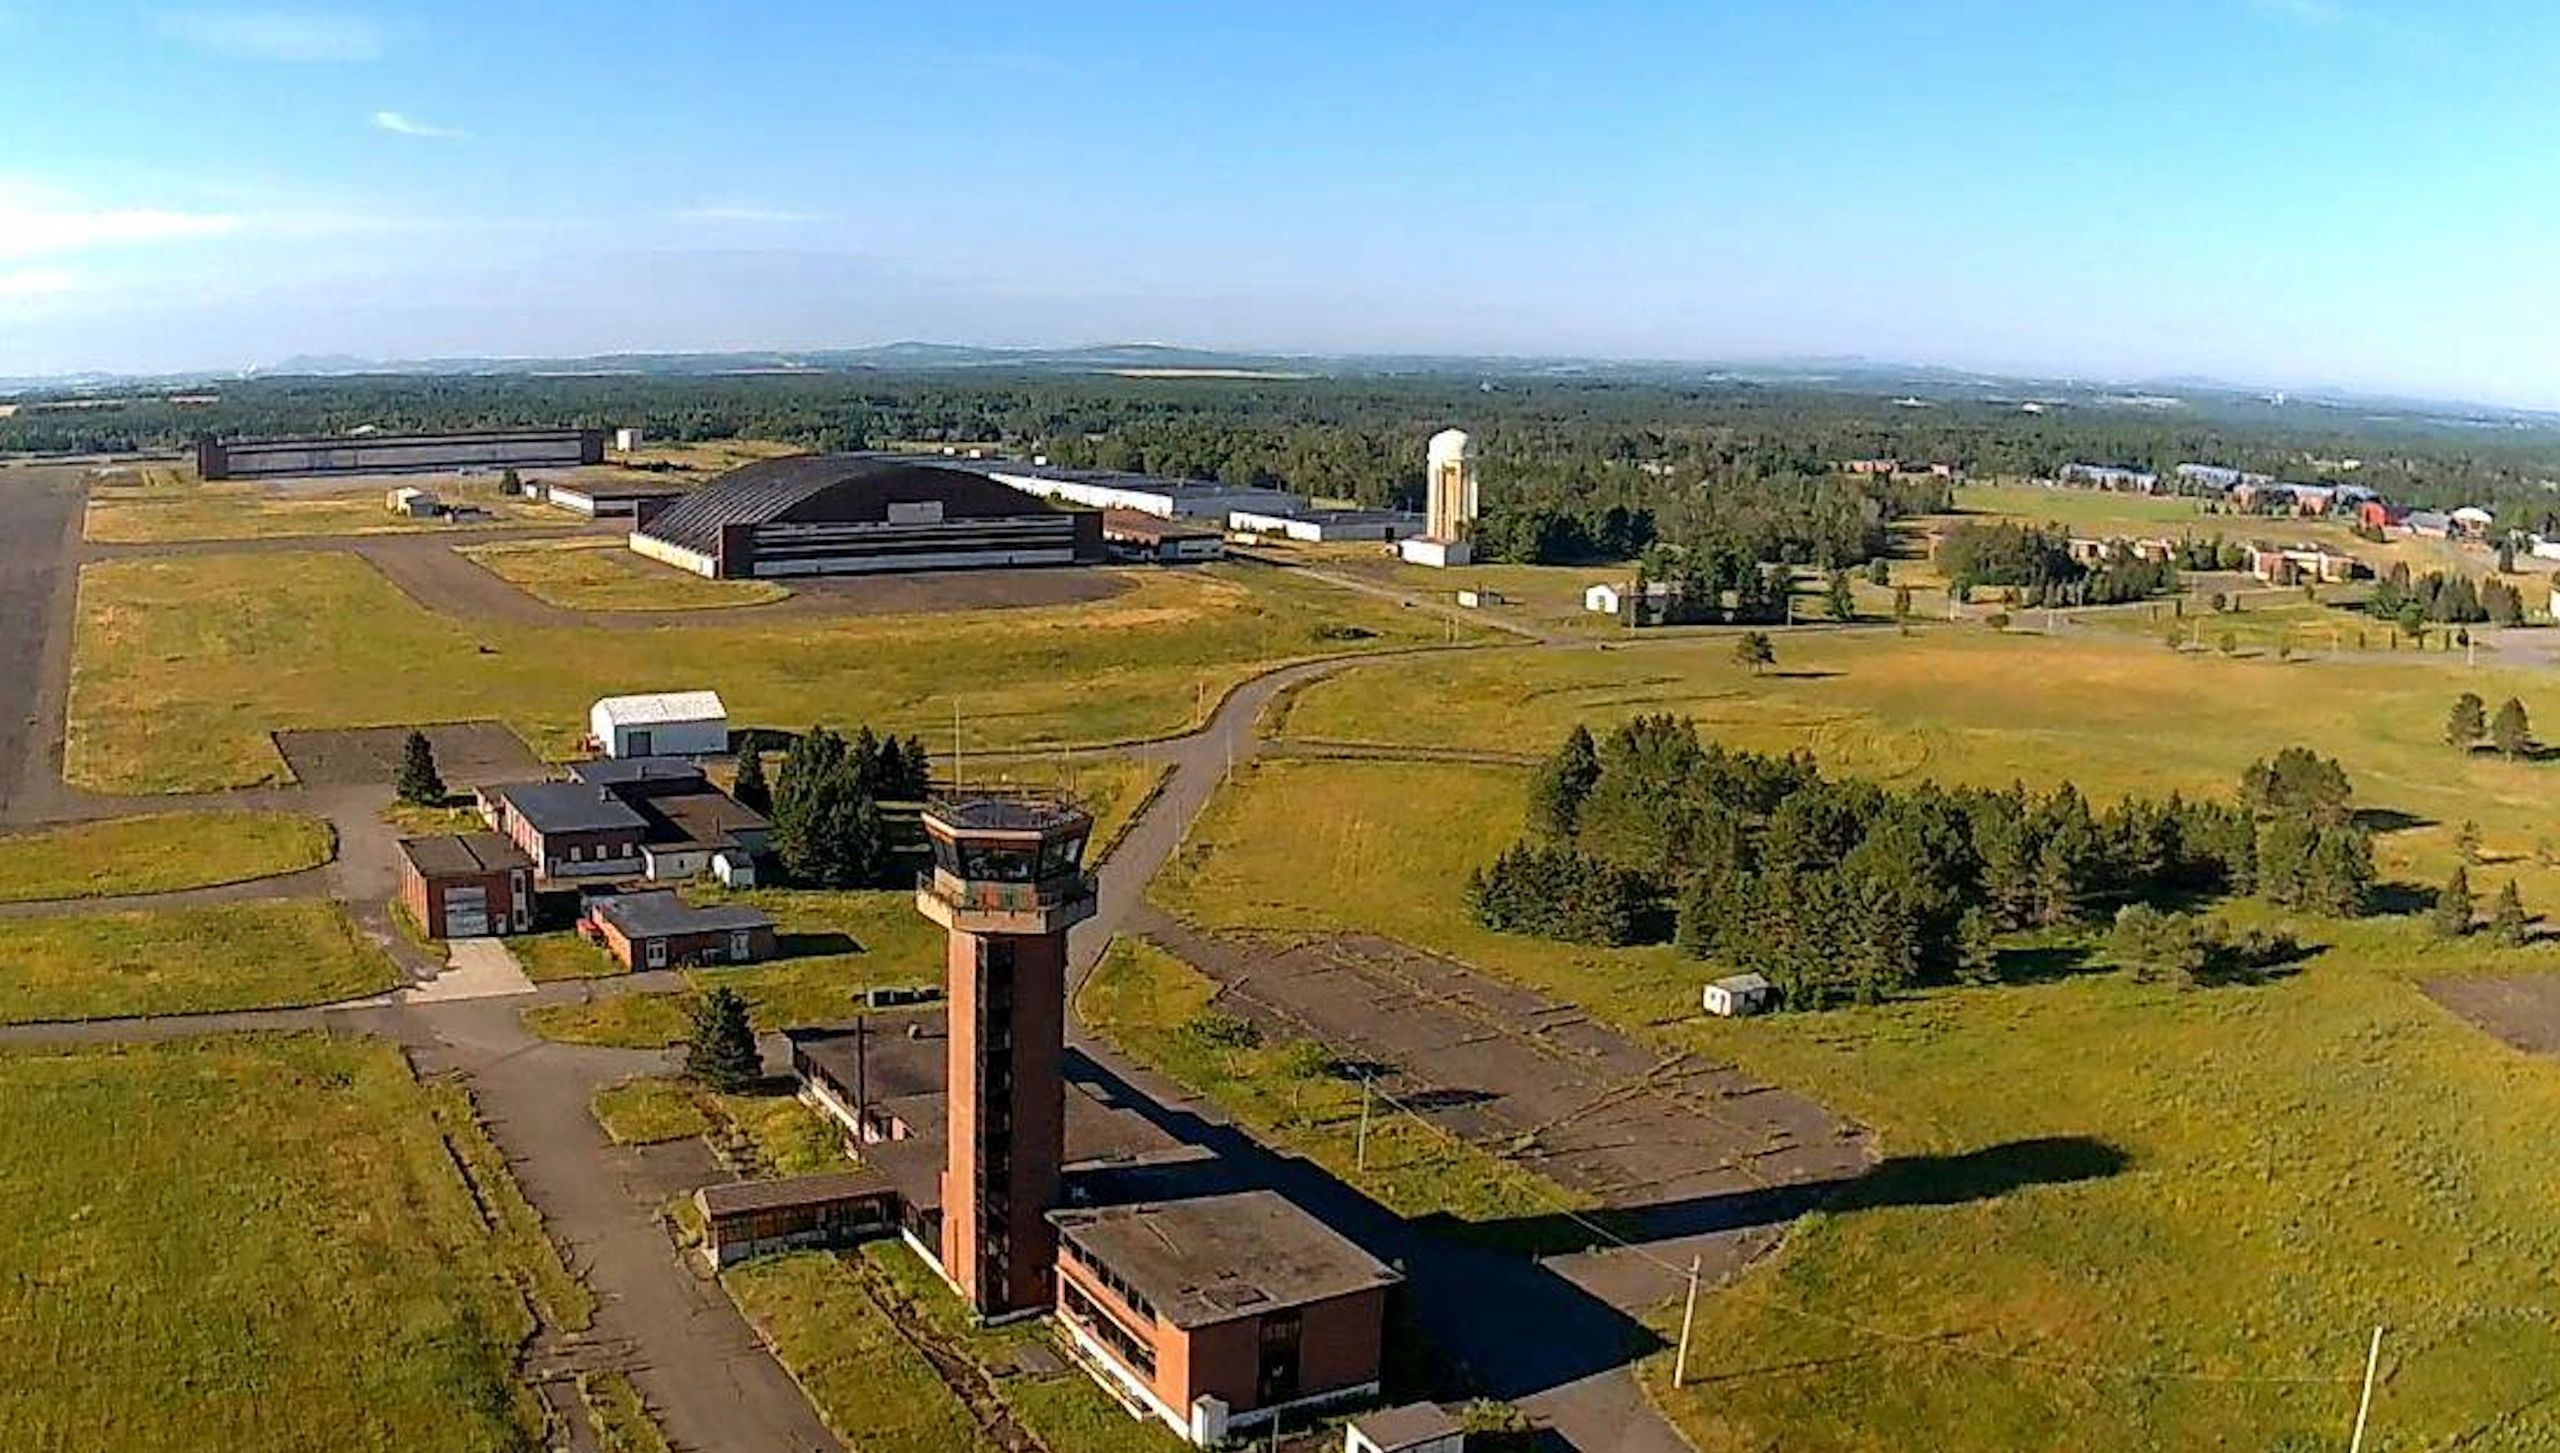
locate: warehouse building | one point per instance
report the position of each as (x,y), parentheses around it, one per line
(568,829)
(660,724)
(485,449)
(466,886)
(1148,494)
(850,514)
(1326,527)
(603,499)
(1155,540)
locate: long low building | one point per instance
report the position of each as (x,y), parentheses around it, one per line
(853,514)
(1113,489)
(1319,527)
(398,453)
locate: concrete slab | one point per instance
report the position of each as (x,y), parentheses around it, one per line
(480,968)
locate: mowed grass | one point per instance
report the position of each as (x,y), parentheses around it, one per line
(606,574)
(1970,705)
(2104,513)
(158,854)
(546,957)
(772,1134)
(161,511)
(2303,1159)
(257,1244)
(184,961)
(184,665)
(1289,1094)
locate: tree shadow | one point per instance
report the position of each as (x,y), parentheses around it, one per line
(1985,1174)
(1808,673)
(2046,963)
(2401,899)
(2389,819)
(813,945)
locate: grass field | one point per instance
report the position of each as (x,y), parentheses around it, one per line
(158,854)
(605,574)
(562,955)
(775,1134)
(617,1416)
(622,1021)
(649,1110)
(831,1321)
(184,961)
(1547,597)
(2301,1159)
(160,511)
(302,1265)
(1157,1008)
(185,664)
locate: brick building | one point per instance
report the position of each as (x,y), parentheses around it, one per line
(467,885)
(657,930)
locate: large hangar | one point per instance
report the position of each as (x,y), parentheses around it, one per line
(850,514)
(398,453)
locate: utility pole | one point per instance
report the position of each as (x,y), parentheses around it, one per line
(1688,1317)
(2364,1405)
(1360,1155)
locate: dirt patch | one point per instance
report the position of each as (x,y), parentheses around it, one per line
(2522,1010)
(1529,1077)
(468,754)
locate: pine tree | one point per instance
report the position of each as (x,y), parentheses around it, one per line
(1563,782)
(419,782)
(1838,598)
(2451,915)
(750,789)
(721,1053)
(1977,955)
(2468,722)
(1754,649)
(2466,842)
(2512,732)
(2508,922)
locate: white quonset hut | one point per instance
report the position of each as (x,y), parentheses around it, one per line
(661,724)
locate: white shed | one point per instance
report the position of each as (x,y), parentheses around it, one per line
(662,724)
(411,501)
(1737,995)
(627,440)
(1413,1428)
(1602,600)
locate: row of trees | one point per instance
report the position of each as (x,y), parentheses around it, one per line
(1850,890)
(828,828)
(2036,561)
(2469,724)
(2447,599)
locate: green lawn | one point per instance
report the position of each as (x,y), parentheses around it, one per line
(771,1134)
(649,1110)
(622,1021)
(184,961)
(164,511)
(830,1319)
(562,955)
(2301,1159)
(589,573)
(2105,513)
(158,854)
(1157,1008)
(185,664)
(617,1416)
(256,1244)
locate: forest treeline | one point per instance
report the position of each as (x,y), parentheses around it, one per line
(1847,890)
(1704,462)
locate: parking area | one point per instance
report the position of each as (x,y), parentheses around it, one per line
(468,753)
(1529,1077)
(2522,1010)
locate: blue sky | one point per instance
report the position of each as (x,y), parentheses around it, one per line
(2291,192)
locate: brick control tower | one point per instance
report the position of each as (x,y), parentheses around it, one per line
(1008,881)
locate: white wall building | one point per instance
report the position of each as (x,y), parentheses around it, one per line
(1316,527)
(1739,994)
(1603,600)
(661,724)
(1449,497)
(1149,494)
(626,440)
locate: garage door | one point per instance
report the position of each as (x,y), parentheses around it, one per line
(466,912)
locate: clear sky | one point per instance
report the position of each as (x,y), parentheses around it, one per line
(2288,192)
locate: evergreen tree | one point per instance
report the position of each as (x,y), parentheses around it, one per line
(2451,915)
(1977,954)
(2468,722)
(1754,649)
(2508,922)
(721,1052)
(1838,598)
(1563,781)
(419,782)
(2466,843)
(2511,733)
(751,789)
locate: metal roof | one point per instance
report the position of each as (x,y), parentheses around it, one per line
(821,1189)
(460,854)
(1411,1426)
(832,489)
(568,807)
(659,707)
(616,771)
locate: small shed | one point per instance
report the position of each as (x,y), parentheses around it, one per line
(626,440)
(1603,600)
(2473,520)
(661,724)
(1412,1428)
(411,501)
(1738,995)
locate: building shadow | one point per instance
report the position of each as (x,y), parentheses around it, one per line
(812,945)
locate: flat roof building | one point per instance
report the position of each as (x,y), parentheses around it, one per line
(1138,536)
(481,449)
(1150,494)
(602,499)
(851,514)
(653,929)
(1314,527)
(1218,1312)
